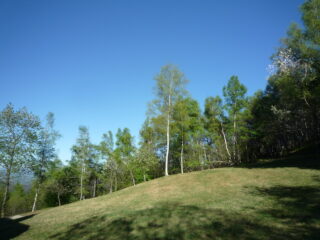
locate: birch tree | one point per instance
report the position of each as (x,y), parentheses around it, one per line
(106,148)
(234,94)
(125,149)
(181,121)
(45,153)
(215,121)
(82,155)
(146,155)
(17,137)
(186,121)
(170,85)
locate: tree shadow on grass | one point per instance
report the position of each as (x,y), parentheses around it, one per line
(10,228)
(297,208)
(172,221)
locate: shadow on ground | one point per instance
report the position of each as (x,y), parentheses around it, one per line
(173,221)
(169,221)
(297,208)
(12,228)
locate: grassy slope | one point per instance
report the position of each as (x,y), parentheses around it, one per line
(267,201)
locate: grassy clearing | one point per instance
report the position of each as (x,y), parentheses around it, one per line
(270,200)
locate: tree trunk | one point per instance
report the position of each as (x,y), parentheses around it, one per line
(225,141)
(133,180)
(234,137)
(116,183)
(199,156)
(59,201)
(94,188)
(81,186)
(247,153)
(204,152)
(166,173)
(5,195)
(81,181)
(181,157)
(144,178)
(111,184)
(35,198)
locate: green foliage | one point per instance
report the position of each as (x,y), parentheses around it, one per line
(60,185)
(18,134)
(187,125)
(45,145)
(286,115)
(234,94)
(236,101)
(146,157)
(84,159)
(45,154)
(17,202)
(107,154)
(124,144)
(126,152)
(310,16)
(170,85)
(216,124)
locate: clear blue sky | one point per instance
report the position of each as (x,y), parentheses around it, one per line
(92,62)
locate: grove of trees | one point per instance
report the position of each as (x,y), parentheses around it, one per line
(177,135)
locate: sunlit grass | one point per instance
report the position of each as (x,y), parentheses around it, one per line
(274,202)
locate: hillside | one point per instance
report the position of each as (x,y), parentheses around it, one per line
(272,200)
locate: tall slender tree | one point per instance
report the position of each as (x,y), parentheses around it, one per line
(106,148)
(125,149)
(146,155)
(45,153)
(82,155)
(170,85)
(18,134)
(215,121)
(234,94)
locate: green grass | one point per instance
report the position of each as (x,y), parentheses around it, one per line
(272,200)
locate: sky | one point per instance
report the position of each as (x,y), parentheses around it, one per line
(93,63)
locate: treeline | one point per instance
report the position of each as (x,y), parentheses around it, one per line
(177,136)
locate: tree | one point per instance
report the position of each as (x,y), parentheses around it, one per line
(82,156)
(17,138)
(286,114)
(16,202)
(197,137)
(125,150)
(146,155)
(186,125)
(215,121)
(170,85)
(45,153)
(182,122)
(106,149)
(234,94)
(60,180)
(310,16)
